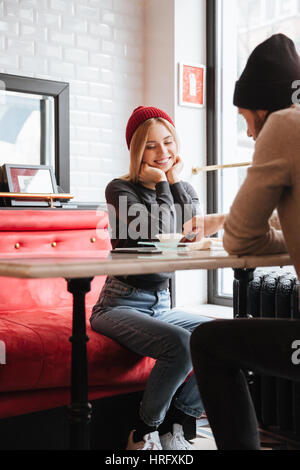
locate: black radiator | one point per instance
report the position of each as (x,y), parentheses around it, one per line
(277,401)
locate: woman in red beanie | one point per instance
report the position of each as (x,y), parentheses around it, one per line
(135,310)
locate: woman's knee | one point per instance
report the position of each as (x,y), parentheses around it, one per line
(179,344)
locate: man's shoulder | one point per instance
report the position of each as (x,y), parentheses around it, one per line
(287,115)
(282,126)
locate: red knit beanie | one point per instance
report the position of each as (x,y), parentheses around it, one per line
(140,115)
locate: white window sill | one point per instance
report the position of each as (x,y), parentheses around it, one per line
(210,310)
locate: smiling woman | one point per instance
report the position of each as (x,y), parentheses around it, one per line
(153,181)
(136,310)
(154,156)
(145,144)
(160,153)
(160,159)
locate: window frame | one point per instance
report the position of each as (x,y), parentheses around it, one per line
(212,34)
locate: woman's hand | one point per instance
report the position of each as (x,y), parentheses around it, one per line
(193,230)
(202,226)
(174,172)
(149,175)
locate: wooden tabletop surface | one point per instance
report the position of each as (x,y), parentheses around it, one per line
(127,264)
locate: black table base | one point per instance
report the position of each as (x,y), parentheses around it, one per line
(242,277)
(80,408)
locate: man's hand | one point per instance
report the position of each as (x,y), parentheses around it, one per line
(150,175)
(202,226)
(174,172)
(213,223)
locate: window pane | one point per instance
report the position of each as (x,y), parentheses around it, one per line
(243,24)
(270,9)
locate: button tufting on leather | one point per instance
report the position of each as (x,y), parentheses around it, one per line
(17,246)
(93,240)
(53,244)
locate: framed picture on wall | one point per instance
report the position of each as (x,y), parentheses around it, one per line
(192,84)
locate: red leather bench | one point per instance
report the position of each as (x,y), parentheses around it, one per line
(36,321)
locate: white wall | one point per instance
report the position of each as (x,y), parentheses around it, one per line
(175,31)
(159,79)
(97,46)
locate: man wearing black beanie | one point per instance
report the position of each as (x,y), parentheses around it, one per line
(221,349)
(266,84)
(267,81)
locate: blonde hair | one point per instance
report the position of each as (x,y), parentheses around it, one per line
(138,145)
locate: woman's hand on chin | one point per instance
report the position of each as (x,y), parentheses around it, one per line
(150,175)
(174,172)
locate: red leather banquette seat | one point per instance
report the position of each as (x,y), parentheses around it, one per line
(36,316)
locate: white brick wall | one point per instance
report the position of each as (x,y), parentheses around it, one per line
(97,46)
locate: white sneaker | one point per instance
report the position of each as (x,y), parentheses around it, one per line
(175,441)
(150,441)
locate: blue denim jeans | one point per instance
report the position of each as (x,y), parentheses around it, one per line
(143,322)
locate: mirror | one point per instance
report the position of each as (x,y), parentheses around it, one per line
(34,124)
(27,129)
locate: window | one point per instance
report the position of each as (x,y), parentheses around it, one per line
(238,27)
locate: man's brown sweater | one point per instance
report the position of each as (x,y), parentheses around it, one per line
(272,182)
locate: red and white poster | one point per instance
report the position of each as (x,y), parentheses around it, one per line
(192,85)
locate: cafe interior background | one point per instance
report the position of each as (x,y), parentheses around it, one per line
(120,54)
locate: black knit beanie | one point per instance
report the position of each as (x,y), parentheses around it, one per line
(266,82)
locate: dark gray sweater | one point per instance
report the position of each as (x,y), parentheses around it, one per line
(137,214)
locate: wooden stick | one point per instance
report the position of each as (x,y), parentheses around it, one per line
(36,196)
(198,169)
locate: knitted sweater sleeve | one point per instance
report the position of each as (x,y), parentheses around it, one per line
(131,220)
(247,229)
(186,203)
